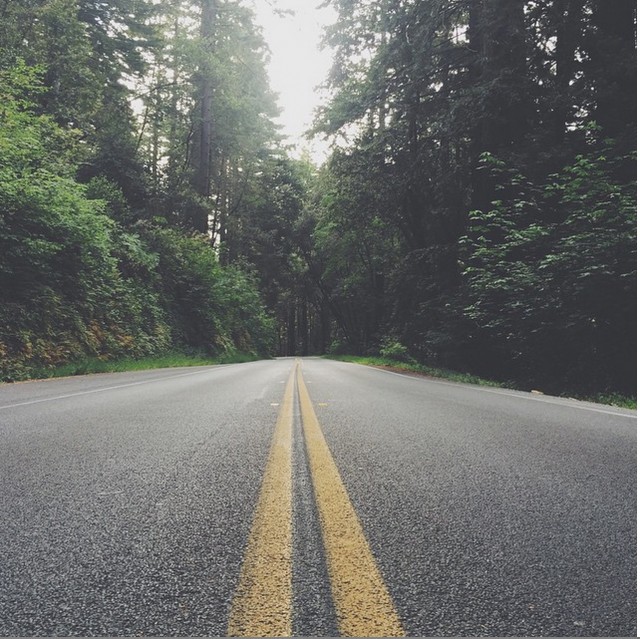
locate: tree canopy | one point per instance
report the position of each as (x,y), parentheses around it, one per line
(477,211)
(479,207)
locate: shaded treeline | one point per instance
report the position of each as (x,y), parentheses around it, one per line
(479,207)
(477,212)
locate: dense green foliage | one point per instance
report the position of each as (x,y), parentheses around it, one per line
(550,276)
(477,212)
(391,362)
(479,207)
(96,260)
(74,282)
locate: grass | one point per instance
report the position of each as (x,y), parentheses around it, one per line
(614,399)
(414,367)
(168,360)
(178,359)
(611,399)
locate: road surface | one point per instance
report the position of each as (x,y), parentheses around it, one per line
(311,497)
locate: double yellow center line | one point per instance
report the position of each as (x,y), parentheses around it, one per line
(262,606)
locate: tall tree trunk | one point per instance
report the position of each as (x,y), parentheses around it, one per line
(480,197)
(205,128)
(303,326)
(156,123)
(614,58)
(172,168)
(505,72)
(567,16)
(498,74)
(291,329)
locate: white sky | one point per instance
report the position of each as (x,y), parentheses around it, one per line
(297,65)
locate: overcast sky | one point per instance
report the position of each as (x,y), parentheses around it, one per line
(297,65)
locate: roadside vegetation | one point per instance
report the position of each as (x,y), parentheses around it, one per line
(88,366)
(482,212)
(107,260)
(413,367)
(79,285)
(477,213)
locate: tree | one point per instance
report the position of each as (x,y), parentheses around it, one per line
(554,300)
(463,117)
(204,130)
(74,282)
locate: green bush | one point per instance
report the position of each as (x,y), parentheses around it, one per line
(393,349)
(550,273)
(75,284)
(338,347)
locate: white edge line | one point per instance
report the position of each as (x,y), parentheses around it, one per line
(559,401)
(107,388)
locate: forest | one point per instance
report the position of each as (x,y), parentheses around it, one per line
(477,211)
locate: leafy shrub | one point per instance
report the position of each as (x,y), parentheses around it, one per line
(210,307)
(393,349)
(75,284)
(551,275)
(338,346)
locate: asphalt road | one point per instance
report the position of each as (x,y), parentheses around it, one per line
(132,503)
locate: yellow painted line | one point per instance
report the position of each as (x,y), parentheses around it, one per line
(262,603)
(363,604)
